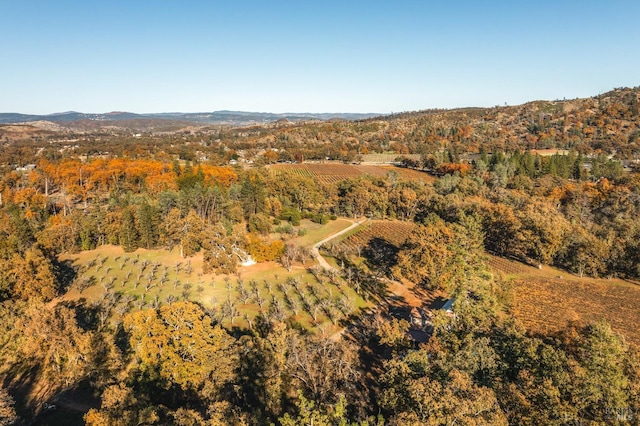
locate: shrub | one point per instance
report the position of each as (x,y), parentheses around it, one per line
(320,218)
(292,215)
(263,251)
(259,223)
(285,229)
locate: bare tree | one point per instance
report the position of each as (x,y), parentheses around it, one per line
(260,300)
(276,310)
(229,309)
(186,291)
(247,318)
(155,302)
(324,366)
(294,304)
(290,254)
(244,294)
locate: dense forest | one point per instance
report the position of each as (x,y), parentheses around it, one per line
(125,338)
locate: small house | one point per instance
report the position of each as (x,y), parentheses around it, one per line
(448,306)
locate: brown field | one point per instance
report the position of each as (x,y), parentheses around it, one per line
(335,172)
(546,300)
(14,132)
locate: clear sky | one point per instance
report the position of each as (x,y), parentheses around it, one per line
(310,56)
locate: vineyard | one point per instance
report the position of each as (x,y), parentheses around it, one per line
(376,244)
(548,299)
(509,267)
(329,173)
(388,158)
(393,232)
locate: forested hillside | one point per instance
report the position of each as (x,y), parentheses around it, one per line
(174,278)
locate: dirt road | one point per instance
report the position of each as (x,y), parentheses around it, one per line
(321,260)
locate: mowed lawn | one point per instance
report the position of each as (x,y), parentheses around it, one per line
(548,299)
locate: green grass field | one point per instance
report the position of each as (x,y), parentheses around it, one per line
(317,232)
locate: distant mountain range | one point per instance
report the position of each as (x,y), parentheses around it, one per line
(216,117)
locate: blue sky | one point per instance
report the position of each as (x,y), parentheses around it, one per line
(310,56)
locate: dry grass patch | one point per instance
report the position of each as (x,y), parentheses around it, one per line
(410,174)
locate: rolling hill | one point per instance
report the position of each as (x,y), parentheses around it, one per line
(216,117)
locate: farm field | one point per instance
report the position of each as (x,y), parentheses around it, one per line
(387,157)
(546,300)
(392,231)
(149,278)
(335,172)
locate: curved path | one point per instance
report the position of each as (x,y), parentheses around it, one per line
(316,253)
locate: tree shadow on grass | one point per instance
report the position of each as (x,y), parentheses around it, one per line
(66,274)
(380,255)
(86,314)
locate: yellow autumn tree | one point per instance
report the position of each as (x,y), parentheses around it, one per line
(178,345)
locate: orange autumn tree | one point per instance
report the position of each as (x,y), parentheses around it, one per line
(79,179)
(451,168)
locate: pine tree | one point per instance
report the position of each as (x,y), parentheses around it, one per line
(128,231)
(148,225)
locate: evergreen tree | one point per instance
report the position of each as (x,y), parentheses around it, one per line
(128,232)
(148,221)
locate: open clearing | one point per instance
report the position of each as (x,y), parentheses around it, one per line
(316,232)
(410,174)
(150,278)
(394,232)
(546,300)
